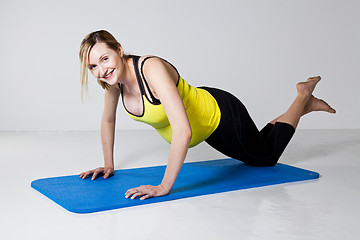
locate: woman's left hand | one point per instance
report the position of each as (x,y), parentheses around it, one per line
(146,191)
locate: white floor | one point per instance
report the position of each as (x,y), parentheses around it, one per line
(327,208)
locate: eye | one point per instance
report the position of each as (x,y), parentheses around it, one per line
(105,59)
(91,67)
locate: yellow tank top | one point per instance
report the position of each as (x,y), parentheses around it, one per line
(201,108)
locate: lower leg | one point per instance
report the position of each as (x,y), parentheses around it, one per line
(304,103)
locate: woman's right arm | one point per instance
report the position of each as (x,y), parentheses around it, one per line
(107,134)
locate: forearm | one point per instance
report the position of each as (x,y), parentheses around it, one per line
(107,140)
(178,150)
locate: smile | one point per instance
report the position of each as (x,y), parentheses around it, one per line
(109,75)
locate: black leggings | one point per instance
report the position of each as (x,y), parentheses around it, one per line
(238,137)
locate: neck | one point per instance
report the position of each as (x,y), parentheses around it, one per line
(128,78)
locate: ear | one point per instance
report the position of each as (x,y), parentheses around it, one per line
(121,51)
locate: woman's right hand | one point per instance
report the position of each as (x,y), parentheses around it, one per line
(106,171)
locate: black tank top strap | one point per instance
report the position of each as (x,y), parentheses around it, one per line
(154,99)
(138,77)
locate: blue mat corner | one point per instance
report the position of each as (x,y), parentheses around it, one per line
(195,179)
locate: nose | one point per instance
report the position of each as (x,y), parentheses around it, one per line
(102,71)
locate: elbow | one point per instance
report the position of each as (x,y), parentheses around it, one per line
(185,134)
(108,119)
(188,135)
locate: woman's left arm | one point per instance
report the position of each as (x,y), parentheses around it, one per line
(163,83)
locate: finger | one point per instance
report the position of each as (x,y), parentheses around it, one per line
(82,174)
(85,174)
(107,174)
(145,197)
(130,192)
(95,174)
(136,195)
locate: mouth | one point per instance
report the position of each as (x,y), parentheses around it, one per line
(106,77)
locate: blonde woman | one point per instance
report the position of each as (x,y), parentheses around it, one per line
(152,91)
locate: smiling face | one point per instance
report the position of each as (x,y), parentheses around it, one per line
(106,64)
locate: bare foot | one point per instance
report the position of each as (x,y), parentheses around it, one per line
(305,89)
(315,104)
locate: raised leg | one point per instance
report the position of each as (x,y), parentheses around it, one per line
(304,103)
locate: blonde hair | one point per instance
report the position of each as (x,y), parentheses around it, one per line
(86,45)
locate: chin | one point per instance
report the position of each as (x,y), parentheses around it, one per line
(112,81)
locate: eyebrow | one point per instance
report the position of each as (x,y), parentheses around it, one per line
(91,65)
(103,55)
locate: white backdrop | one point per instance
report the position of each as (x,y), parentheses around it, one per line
(258,50)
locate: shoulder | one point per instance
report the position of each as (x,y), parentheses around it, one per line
(151,61)
(154,66)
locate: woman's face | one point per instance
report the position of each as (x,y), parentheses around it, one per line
(106,64)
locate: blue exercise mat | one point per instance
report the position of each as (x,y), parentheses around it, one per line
(197,178)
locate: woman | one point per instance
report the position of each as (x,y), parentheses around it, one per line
(153,92)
